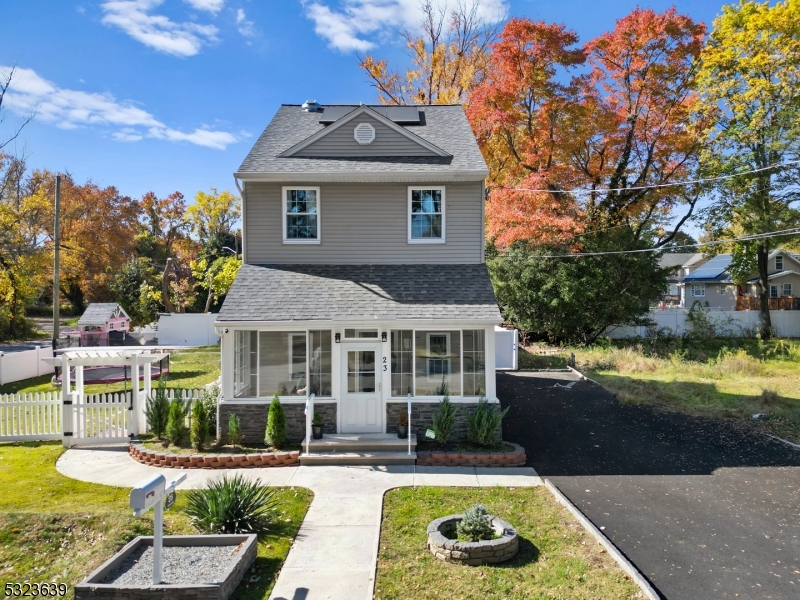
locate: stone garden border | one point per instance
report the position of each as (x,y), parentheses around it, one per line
(516,458)
(212,461)
(92,588)
(472,553)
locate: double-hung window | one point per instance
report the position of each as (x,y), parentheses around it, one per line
(301,215)
(787,289)
(773,291)
(425,215)
(779,263)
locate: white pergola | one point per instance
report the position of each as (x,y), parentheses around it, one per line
(133,357)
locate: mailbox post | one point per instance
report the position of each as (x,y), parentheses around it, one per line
(148,494)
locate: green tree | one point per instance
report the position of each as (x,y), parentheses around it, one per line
(748,83)
(275,434)
(134,287)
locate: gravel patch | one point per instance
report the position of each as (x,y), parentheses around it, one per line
(180,565)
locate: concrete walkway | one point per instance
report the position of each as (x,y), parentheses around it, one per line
(336,550)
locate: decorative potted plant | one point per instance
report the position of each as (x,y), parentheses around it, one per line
(316,426)
(402,424)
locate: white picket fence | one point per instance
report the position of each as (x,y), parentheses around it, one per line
(91,419)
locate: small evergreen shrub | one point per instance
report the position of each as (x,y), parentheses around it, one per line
(176,424)
(475,526)
(209,400)
(231,505)
(402,417)
(317,421)
(483,423)
(234,431)
(275,434)
(444,419)
(199,428)
(157,409)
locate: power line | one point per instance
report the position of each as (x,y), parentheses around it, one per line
(758,236)
(656,185)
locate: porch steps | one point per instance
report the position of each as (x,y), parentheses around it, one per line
(359,449)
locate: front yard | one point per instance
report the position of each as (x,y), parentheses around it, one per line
(56,529)
(716,378)
(556,558)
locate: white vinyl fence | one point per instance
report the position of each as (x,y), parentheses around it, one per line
(506,343)
(727,323)
(16,366)
(91,419)
(30,417)
(187,329)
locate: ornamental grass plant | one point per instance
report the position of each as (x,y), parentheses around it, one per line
(232,504)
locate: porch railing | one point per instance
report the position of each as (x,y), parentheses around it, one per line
(309,417)
(754,303)
(408,429)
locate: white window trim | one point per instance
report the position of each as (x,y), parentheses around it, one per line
(288,188)
(779,257)
(785,285)
(777,291)
(700,287)
(440,240)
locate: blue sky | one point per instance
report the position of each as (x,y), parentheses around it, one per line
(169,95)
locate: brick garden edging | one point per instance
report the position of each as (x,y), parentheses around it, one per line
(472,553)
(442,458)
(212,461)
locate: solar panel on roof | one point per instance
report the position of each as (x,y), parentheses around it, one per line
(712,269)
(404,115)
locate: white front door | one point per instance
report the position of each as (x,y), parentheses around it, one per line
(361,388)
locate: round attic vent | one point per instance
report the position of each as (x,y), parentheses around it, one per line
(364,133)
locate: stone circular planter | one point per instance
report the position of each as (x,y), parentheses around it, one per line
(471,553)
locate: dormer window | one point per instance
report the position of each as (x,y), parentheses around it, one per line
(425,215)
(779,263)
(301,215)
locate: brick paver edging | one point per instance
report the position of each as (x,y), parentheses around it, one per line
(471,553)
(515,458)
(212,461)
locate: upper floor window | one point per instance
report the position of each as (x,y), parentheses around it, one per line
(301,215)
(779,263)
(425,215)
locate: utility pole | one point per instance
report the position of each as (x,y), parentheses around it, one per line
(57,263)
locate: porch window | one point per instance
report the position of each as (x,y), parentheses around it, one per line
(474,362)
(438,363)
(319,368)
(301,215)
(402,362)
(425,215)
(245,371)
(773,291)
(787,289)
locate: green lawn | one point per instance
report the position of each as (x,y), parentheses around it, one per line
(556,559)
(53,528)
(713,378)
(188,369)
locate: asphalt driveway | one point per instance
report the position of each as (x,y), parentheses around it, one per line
(705,509)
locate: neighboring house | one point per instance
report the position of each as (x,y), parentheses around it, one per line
(674,262)
(363,276)
(102,321)
(708,281)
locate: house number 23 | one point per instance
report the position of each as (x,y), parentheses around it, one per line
(384,364)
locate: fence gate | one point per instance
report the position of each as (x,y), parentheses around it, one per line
(97,419)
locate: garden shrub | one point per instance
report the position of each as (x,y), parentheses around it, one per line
(483,424)
(444,419)
(231,505)
(209,400)
(234,430)
(275,434)
(176,424)
(199,428)
(475,526)
(157,409)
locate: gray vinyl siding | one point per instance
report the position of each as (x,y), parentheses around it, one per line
(341,143)
(363,223)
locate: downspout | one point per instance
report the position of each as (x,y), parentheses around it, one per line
(244,216)
(483,221)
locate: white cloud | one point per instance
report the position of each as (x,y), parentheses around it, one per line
(212,6)
(158,31)
(351,25)
(245,27)
(70,109)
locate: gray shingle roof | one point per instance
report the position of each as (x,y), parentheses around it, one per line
(444,126)
(674,259)
(98,313)
(327,292)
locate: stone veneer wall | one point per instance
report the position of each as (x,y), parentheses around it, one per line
(253,418)
(422,418)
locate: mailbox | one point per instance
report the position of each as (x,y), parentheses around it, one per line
(147,494)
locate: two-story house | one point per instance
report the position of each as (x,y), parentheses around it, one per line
(363,277)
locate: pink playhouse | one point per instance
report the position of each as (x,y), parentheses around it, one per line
(101,321)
